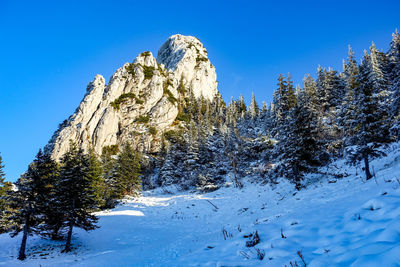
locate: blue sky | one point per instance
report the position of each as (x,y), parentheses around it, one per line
(50,50)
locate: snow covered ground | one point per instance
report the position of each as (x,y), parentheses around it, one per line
(334,222)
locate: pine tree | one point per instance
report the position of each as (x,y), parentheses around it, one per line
(322,95)
(127,171)
(233,148)
(378,76)
(241,106)
(30,200)
(192,155)
(95,176)
(52,214)
(232,114)
(253,109)
(291,93)
(76,195)
(336,88)
(2,173)
(108,166)
(299,151)
(394,67)
(284,101)
(370,131)
(4,188)
(346,118)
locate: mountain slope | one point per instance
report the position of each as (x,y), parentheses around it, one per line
(333,222)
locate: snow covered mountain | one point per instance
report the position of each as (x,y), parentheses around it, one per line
(225,185)
(140,101)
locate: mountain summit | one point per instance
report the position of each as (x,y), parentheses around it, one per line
(141,99)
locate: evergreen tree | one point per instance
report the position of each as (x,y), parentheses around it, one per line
(284,101)
(30,200)
(378,77)
(322,94)
(127,171)
(241,106)
(369,129)
(394,67)
(4,188)
(172,170)
(110,185)
(253,109)
(52,214)
(299,150)
(76,195)
(232,114)
(233,145)
(192,155)
(346,118)
(95,176)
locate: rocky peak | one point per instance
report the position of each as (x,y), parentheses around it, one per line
(146,59)
(176,48)
(187,58)
(140,101)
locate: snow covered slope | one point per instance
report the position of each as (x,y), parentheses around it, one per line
(345,222)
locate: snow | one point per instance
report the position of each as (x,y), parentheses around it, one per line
(333,222)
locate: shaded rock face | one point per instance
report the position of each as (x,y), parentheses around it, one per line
(140,101)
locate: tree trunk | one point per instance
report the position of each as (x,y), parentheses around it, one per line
(70,226)
(69,237)
(366,166)
(237,183)
(55,234)
(296,177)
(21,255)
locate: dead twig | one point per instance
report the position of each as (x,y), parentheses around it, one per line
(212,204)
(282,235)
(244,254)
(302,258)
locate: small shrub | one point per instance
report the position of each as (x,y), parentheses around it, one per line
(173,136)
(152,130)
(131,68)
(135,133)
(122,99)
(110,150)
(148,72)
(166,84)
(201,59)
(145,54)
(143,119)
(167,92)
(183,117)
(254,240)
(162,71)
(181,88)
(171,97)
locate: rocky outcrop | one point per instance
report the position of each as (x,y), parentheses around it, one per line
(140,101)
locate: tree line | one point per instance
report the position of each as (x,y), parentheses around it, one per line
(353,113)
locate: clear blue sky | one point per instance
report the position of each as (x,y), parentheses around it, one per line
(50,50)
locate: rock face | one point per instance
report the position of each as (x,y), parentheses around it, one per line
(140,101)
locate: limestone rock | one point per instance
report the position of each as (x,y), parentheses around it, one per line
(139,102)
